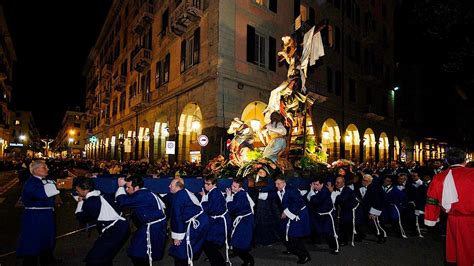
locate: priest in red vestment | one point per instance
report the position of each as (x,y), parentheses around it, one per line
(452,191)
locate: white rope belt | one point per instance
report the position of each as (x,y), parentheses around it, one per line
(297,218)
(110,225)
(148,238)
(400,221)
(39,208)
(237,221)
(222,216)
(189,249)
(354,231)
(418,226)
(378,227)
(333,226)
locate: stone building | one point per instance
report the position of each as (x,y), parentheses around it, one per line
(174,70)
(7,57)
(72,136)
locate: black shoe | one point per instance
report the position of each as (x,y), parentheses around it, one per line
(334,252)
(342,244)
(303,260)
(286,252)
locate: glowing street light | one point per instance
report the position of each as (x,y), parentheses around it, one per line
(22,137)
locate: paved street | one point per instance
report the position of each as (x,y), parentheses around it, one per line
(72,248)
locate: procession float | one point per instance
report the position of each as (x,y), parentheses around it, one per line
(289,143)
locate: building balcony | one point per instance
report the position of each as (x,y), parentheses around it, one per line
(140,101)
(371,113)
(96,108)
(106,97)
(106,71)
(369,37)
(144,18)
(184,15)
(142,60)
(3,72)
(118,83)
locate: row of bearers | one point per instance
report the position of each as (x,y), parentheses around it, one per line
(231,219)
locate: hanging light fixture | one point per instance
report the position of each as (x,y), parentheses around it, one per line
(347,138)
(325,134)
(255,123)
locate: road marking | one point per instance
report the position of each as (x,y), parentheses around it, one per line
(8,185)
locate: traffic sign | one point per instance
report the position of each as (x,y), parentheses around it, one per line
(170,146)
(203,140)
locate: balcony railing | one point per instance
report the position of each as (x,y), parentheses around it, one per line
(144,18)
(118,83)
(3,72)
(184,15)
(106,71)
(371,113)
(142,60)
(106,97)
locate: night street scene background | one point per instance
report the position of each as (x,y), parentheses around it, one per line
(246,90)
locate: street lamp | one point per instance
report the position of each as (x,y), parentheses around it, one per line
(396,88)
(70,141)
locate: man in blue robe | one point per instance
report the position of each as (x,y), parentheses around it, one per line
(214,205)
(395,202)
(113,230)
(294,218)
(148,242)
(321,202)
(38,228)
(346,203)
(240,207)
(189,224)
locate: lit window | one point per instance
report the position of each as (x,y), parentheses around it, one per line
(17,122)
(262,2)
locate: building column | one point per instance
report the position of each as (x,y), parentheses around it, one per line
(361,150)
(377,152)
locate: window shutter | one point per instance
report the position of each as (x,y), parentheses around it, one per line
(158,76)
(273,5)
(197,45)
(250,44)
(183,56)
(166,75)
(271,53)
(297,8)
(312,16)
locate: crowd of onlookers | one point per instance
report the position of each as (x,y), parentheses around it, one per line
(161,168)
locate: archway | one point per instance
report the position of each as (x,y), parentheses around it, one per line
(396,150)
(160,136)
(143,140)
(330,136)
(383,147)
(369,145)
(252,115)
(352,143)
(190,127)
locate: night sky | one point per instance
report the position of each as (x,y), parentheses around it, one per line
(52,40)
(435,36)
